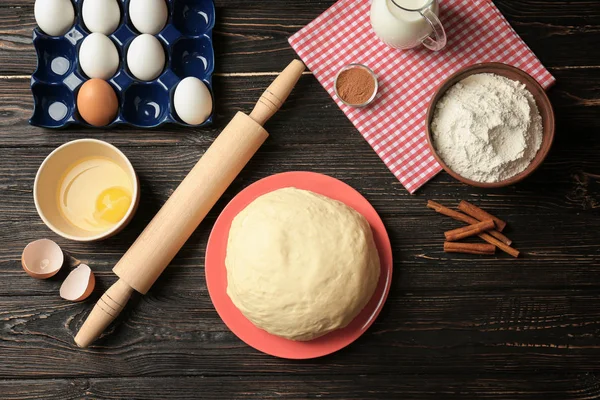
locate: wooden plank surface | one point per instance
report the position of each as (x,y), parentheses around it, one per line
(454,326)
(168,332)
(515,387)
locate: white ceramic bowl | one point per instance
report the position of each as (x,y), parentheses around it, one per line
(52,170)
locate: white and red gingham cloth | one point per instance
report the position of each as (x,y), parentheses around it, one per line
(395,124)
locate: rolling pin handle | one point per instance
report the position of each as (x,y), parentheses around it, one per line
(104,312)
(276,94)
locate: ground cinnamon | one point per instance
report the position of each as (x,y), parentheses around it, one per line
(355,86)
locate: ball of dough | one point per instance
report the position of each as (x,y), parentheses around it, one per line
(300,265)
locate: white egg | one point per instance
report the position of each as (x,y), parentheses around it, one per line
(101,16)
(148,16)
(192,101)
(54,17)
(98,56)
(146,57)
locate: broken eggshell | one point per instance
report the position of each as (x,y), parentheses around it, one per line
(79,284)
(42,259)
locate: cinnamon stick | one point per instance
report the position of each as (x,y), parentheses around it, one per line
(469,220)
(480,214)
(470,230)
(466,219)
(469,248)
(505,248)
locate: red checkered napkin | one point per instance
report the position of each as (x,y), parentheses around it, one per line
(395,124)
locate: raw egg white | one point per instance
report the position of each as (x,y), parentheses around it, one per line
(54,17)
(95,194)
(101,16)
(98,56)
(148,16)
(192,101)
(146,57)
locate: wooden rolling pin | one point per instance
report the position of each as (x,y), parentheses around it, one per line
(182,213)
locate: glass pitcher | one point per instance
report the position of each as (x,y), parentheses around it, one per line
(405,24)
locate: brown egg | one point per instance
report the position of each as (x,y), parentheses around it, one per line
(97,102)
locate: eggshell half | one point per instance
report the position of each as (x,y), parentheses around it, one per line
(42,259)
(79,284)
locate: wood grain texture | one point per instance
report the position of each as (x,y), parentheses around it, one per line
(364,386)
(455,326)
(170,333)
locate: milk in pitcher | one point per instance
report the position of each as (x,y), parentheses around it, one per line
(398,27)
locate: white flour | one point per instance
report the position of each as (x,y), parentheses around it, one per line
(487,128)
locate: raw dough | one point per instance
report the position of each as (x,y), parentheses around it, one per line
(300,265)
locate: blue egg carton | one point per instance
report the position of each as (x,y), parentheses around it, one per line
(186,39)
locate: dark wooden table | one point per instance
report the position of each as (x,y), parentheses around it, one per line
(453,327)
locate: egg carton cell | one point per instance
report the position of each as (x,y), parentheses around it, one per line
(192,17)
(186,40)
(145,104)
(56,57)
(189,57)
(53,105)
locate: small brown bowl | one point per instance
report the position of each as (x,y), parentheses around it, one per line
(540,96)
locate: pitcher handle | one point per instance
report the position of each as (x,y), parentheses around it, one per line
(437,39)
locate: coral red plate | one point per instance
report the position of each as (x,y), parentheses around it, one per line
(216,274)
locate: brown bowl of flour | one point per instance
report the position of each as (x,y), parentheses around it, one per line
(490,125)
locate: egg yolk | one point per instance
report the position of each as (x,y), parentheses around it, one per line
(112,205)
